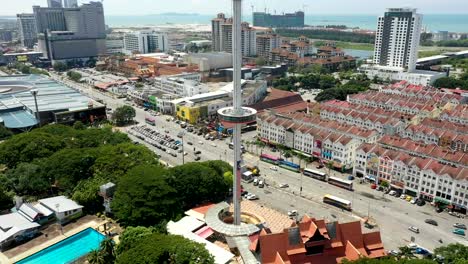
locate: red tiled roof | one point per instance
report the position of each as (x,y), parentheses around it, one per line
(282,102)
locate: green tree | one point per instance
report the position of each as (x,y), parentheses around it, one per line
(450,82)
(260,61)
(132,235)
(210,187)
(453,253)
(27,179)
(5,133)
(123,115)
(27,147)
(159,248)
(68,166)
(107,250)
(384,184)
(95,257)
(6,198)
(406,253)
(86,194)
(144,198)
(60,67)
(78,125)
(74,76)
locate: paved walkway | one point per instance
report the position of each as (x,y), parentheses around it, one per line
(50,236)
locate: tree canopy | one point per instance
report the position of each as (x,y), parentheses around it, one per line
(160,248)
(143,197)
(453,253)
(123,115)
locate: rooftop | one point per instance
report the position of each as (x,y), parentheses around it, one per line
(60,204)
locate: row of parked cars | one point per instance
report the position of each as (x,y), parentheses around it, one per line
(159,140)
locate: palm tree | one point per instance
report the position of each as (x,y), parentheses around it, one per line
(107,250)
(95,257)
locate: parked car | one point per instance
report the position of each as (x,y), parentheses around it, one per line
(439,210)
(198,152)
(421,202)
(408,198)
(373,186)
(274,168)
(319,166)
(292,213)
(403,196)
(284,185)
(190,143)
(413,201)
(459,232)
(350,177)
(392,193)
(197,158)
(421,251)
(414,229)
(459,226)
(261,184)
(251,197)
(431,222)
(255,181)
(393,252)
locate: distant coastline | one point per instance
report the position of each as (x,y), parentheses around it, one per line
(433,22)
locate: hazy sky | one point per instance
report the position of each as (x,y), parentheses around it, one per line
(144,7)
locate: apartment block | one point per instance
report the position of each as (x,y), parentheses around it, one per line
(266,43)
(143,42)
(221,28)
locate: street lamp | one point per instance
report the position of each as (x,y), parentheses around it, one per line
(34,93)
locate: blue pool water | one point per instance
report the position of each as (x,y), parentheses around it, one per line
(67,250)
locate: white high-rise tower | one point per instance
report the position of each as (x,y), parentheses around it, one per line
(397,38)
(237,114)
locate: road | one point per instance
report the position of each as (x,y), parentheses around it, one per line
(392,214)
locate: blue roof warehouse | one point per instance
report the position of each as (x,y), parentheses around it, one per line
(55,103)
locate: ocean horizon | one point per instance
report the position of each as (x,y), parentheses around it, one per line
(433,22)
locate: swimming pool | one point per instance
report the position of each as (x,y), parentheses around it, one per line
(67,250)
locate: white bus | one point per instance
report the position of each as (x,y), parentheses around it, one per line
(315,174)
(341,183)
(337,201)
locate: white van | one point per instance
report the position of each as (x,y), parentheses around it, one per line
(255,182)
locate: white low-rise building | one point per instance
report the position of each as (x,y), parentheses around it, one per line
(64,209)
(183,85)
(417,77)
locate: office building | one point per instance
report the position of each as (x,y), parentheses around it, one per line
(54,3)
(71,33)
(27,30)
(263,19)
(114,46)
(222,36)
(70,3)
(397,38)
(266,43)
(143,42)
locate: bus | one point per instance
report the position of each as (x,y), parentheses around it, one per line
(315,174)
(341,183)
(150,121)
(289,165)
(270,159)
(336,201)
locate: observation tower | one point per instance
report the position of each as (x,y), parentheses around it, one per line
(237,115)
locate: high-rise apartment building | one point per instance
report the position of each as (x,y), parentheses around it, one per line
(71,33)
(263,19)
(54,3)
(266,43)
(222,36)
(70,3)
(397,38)
(145,42)
(27,29)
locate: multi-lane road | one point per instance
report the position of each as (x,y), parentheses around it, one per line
(392,214)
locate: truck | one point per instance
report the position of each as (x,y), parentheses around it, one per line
(247,176)
(254,169)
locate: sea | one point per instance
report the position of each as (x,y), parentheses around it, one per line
(431,22)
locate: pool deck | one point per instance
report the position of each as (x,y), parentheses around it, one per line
(54,235)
